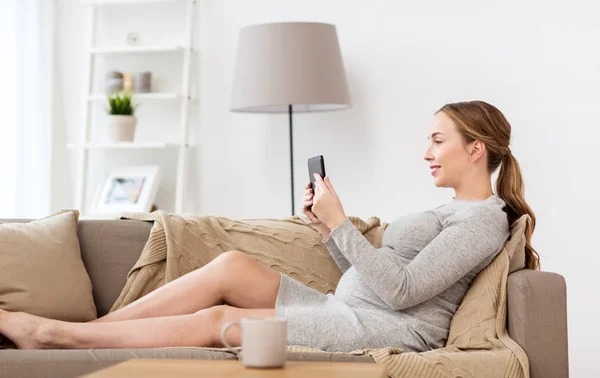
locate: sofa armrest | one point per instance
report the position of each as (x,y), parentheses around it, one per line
(537,320)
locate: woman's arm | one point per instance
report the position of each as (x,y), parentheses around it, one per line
(334,251)
(459,248)
(337,255)
(316,224)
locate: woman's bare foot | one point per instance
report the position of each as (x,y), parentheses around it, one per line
(27,331)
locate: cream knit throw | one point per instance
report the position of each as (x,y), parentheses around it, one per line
(478,344)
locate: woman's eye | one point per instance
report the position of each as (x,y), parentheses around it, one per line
(437,142)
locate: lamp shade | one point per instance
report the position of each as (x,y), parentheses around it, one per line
(291,63)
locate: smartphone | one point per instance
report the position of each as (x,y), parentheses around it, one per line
(316,164)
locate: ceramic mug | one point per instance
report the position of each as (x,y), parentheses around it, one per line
(264,341)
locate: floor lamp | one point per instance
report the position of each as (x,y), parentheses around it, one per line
(289,67)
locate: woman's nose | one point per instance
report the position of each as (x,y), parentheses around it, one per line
(427,156)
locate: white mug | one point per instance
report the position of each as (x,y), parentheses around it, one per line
(264,341)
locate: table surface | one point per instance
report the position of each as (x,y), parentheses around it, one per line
(154,368)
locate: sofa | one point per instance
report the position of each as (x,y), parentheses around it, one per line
(536,317)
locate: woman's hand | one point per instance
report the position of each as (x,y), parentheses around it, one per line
(326,204)
(306,209)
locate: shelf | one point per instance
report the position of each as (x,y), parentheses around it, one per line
(177,96)
(156,96)
(119,2)
(135,49)
(123,145)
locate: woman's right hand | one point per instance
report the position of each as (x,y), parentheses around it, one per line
(306,209)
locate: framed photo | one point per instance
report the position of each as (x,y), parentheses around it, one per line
(127,189)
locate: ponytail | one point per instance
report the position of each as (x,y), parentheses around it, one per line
(509,187)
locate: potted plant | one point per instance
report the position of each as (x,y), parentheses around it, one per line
(121,120)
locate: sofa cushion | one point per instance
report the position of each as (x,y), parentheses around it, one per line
(74,363)
(109,248)
(42,270)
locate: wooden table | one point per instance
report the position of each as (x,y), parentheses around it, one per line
(155,368)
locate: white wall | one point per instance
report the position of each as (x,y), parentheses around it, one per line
(537,61)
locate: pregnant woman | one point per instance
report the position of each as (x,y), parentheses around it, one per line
(403,294)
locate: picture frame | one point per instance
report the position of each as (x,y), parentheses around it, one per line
(127,189)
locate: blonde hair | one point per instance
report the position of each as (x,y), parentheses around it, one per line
(478,120)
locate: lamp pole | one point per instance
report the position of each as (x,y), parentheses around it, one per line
(291,155)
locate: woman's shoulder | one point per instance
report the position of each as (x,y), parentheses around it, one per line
(487,214)
(486,219)
(474,211)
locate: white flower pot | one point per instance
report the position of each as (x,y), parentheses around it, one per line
(120,128)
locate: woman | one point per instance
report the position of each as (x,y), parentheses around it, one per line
(403,294)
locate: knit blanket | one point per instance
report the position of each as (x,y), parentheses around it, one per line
(478,344)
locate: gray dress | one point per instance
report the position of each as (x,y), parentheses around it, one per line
(403,294)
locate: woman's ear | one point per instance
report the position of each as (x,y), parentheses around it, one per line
(477,150)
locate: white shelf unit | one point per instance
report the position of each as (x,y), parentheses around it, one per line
(84,145)
(142,97)
(123,145)
(120,2)
(135,49)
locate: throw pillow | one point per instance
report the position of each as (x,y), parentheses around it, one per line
(480,304)
(516,243)
(41,269)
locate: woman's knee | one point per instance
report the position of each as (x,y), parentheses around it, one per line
(218,316)
(213,318)
(233,259)
(215,314)
(246,282)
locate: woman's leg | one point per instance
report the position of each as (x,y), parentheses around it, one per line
(202,329)
(233,278)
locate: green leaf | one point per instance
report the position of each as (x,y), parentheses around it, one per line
(121,103)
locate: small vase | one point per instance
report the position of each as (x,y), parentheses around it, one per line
(121,128)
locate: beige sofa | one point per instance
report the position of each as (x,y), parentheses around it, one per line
(537,318)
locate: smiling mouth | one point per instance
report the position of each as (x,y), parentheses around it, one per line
(435,169)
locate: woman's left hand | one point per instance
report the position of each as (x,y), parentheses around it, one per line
(327,206)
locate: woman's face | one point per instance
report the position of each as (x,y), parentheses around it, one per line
(447,154)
